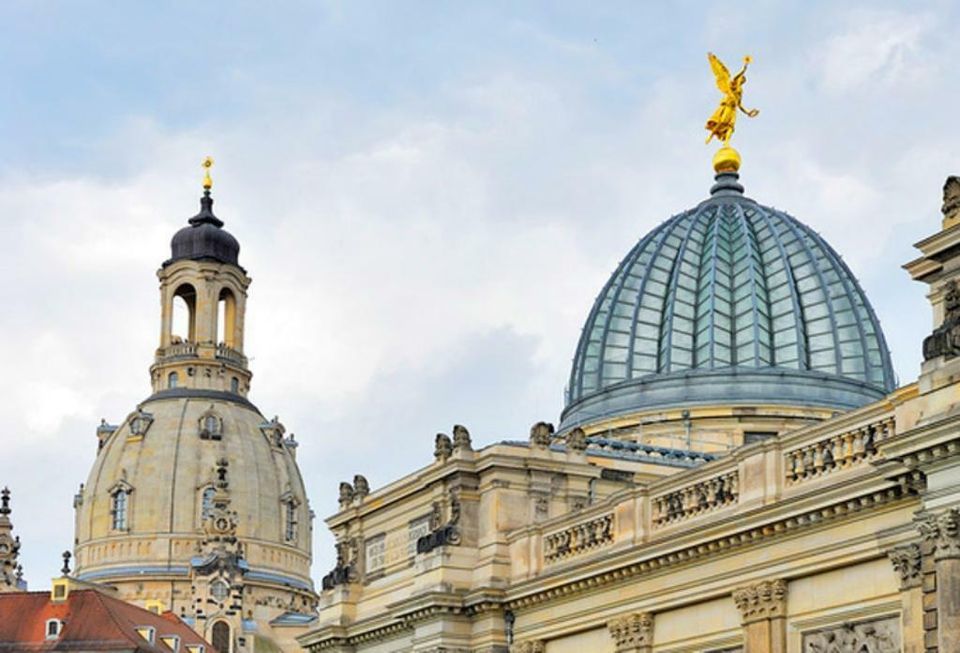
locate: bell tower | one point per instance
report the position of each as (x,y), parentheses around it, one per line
(203,297)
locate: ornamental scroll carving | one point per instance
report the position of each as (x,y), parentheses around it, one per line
(632,633)
(906,562)
(945,339)
(943,531)
(765,600)
(879,636)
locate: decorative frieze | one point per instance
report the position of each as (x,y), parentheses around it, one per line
(696,499)
(839,451)
(942,531)
(632,633)
(578,539)
(765,600)
(906,561)
(529,646)
(878,636)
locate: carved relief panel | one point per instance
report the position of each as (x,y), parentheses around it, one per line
(877,636)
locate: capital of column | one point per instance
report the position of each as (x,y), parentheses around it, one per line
(631,632)
(906,561)
(764,600)
(529,646)
(943,531)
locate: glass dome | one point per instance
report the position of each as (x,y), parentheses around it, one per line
(731,302)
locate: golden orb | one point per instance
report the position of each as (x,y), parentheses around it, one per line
(726,159)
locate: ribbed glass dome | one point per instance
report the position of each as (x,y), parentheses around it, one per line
(730,302)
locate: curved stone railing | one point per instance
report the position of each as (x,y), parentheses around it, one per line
(695,499)
(578,539)
(179,350)
(230,355)
(836,452)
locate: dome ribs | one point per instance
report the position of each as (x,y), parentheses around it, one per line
(803,355)
(864,317)
(824,289)
(627,271)
(706,334)
(593,332)
(757,283)
(668,325)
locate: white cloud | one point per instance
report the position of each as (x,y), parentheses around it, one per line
(884,48)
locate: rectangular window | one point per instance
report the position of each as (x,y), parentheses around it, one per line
(418,528)
(375,553)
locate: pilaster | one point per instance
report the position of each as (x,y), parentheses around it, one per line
(763,609)
(632,633)
(907,562)
(941,532)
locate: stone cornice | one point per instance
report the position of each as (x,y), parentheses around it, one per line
(764,600)
(472,462)
(400,617)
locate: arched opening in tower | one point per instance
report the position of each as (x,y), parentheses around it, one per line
(227,318)
(183,324)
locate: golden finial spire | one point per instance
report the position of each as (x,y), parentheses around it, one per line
(207,181)
(721,123)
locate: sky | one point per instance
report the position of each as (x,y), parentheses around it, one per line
(428,196)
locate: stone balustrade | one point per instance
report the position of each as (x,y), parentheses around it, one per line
(696,499)
(835,452)
(578,539)
(231,355)
(180,350)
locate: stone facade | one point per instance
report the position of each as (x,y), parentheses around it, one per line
(831,534)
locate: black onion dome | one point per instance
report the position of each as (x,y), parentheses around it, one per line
(205,238)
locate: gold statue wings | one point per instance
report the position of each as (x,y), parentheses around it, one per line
(721,123)
(720,72)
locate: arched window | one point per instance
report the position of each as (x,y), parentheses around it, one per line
(206,502)
(211,426)
(290,522)
(183,318)
(234,385)
(219,591)
(118,509)
(220,637)
(227,318)
(172,380)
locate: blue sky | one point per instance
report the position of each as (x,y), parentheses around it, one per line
(428,195)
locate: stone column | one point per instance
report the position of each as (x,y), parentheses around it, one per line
(942,531)
(907,561)
(632,633)
(763,611)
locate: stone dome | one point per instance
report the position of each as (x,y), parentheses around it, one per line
(205,238)
(164,457)
(728,303)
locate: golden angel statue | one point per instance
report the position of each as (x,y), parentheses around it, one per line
(721,123)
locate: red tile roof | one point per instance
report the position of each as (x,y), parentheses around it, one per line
(91,621)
